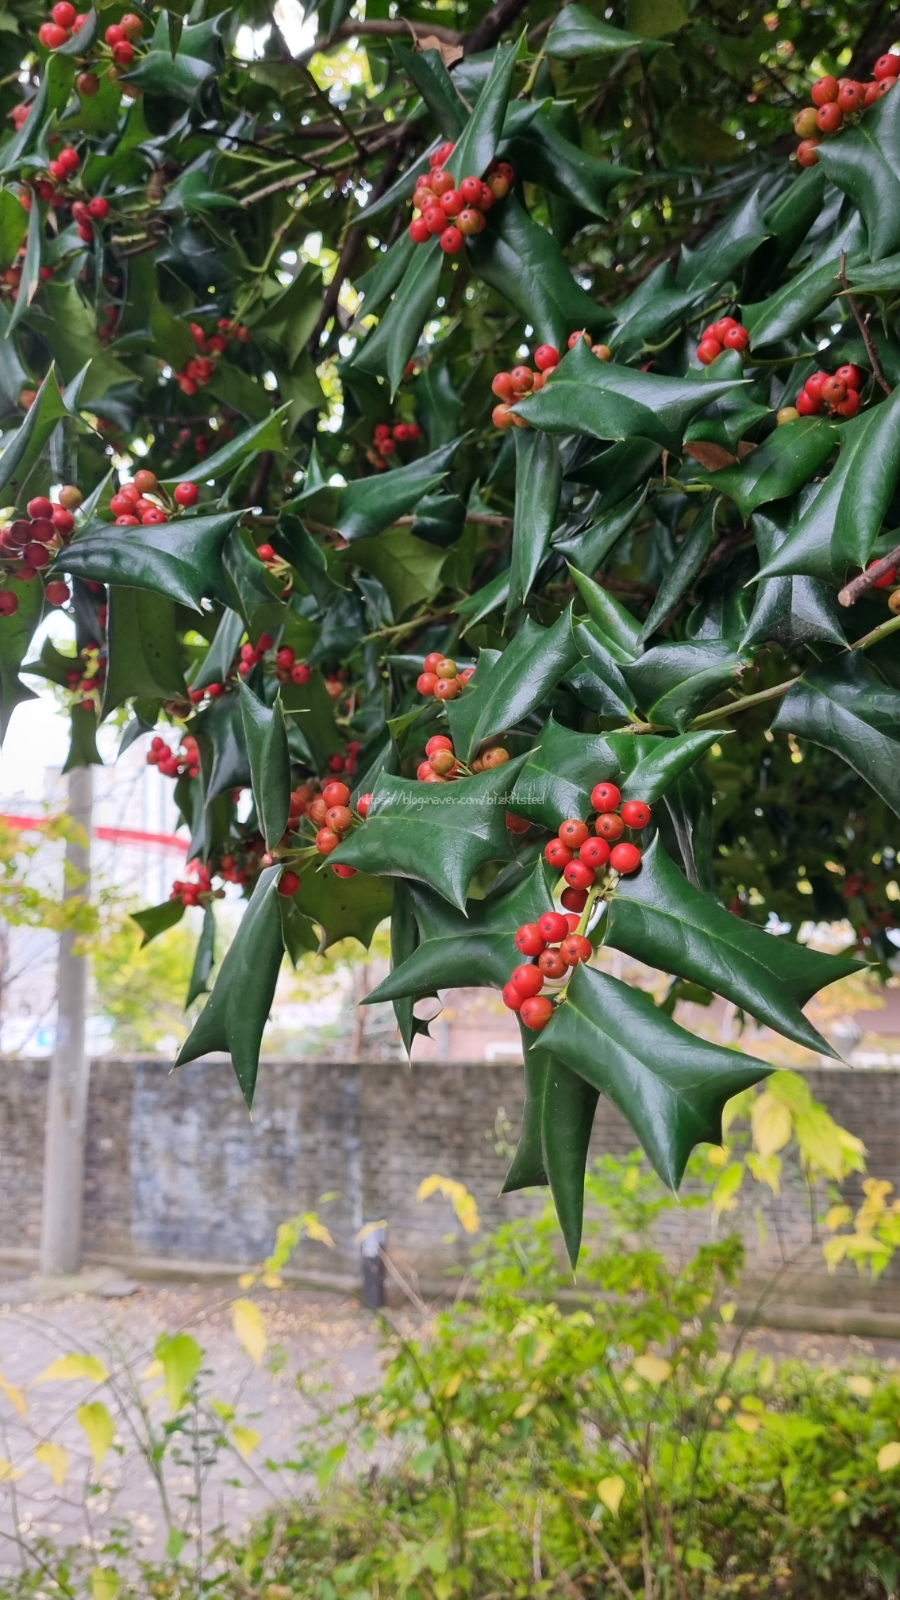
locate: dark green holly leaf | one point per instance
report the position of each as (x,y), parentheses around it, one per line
(27,443)
(651,764)
(379,283)
(389,347)
(297,931)
(52,664)
(184,78)
(265,435)
(865,164)
(576,32)
(158,919)
(538,482)
(588,550)
(31,129)
(670,1085)
(439,834)
(620,631)
(609,401)
(477,145)
(545,156)
(503,694)
(222,725)
(435,85)
(475,607)
(471,948)
(525,265)
(527,1167)
(653,308)
(658,917)
(557,1120)
(145,656)
(674,681)
(440,519)
(16,633)
(404,939)
(839,529)
(409,568)
(559,774)
(598,680)
(616,471)
(310,708)
(344,908)
(804,296)
(320,571)
(236,1012)
(182,559)
(250,582)
(727,247)
(369,505)
(217,663)
(789,611)
(29,283)
(686,567)
(789,458)
(846,707)
(438,400)
(270,763)
(204,958)
(83,750)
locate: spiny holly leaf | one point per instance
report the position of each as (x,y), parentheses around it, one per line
(408,567)
(789,458)
(503,694)
(726,247)
(559,774)
(865,163)
(658,917)
(795,304)
(670,1085)
(310,710)
(15,637)
(435,85)
(217,662)
(182,559)
(83,750)
(370,504)
(608,401)
(790,611)
(439,834)
(685,568)
(473,948)
(477,145)
(550,159)
(576,33)
(297,931)
(557,1121)
(651,764)
(27,443)
(525,265)
(404,939)
(270,763)
(846,707)
(840,527)
(538,482)
(588,550)
(158,919)
(390,346)
(344,908)
(220,726)
(266,435)
(236,1012)
(598,680)
(145,656)
(204,958)
(652,309)
(620,631)
(31,266)
(674,681)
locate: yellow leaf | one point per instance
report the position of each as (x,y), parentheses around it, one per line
(839,1497)
(723,1404)
(104,1584)
(726,1187)
(889,1456)
(610,1492)
(860,1386)
(99,1427)
(14,1396)
(717,1155)
(246,1439)
(180,1357)
(770,1121)
(837,1217)
(55,1457)
(246,1280)
(248,1324)
(65,1368)
(726,1311)
(451,1387)
(370,1228)
(463,1203)
(9,1473)
(653,1369)
(747,1423)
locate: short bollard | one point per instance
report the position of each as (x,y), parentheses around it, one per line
(372,1245)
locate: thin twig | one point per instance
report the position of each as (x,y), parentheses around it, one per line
(378,29)
(863,325)
(851,592)
(604,1555)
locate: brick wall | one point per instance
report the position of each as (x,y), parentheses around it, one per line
(177,1170)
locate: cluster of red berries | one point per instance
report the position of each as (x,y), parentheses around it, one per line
(85,213)
(838,392)
(200,370)
(197,893)
(455,214)
(11,277)
(726,334)
(59,27)
(554,946)
(385,439)
(579,856)
(183,763)
(331,815)
(85,682)
(131,507)
(834,99)
(521,381)
(441,677)
(29,543)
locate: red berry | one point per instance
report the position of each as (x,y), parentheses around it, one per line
(284,657)
(9,603)
(575,948)
(430,663)
(51,36)
(546,357)
(849,406)
(37,555)
(625,858)
(57,592)
(288,883)
(114,34)
(152,516)
(326,841)
(886,67)
(887,578)
(574,900)
(502,417)
(516,824)
(805,124)
(605,797)
(578,875)
(852,96)
(522,380)
(829,117)
(825,90)
(807,153)
(470,191)
(609,826)
(834,390)
(502,386)
(536,1013)
(527,979)
(98,208)
(339,818)
(551,963)
(363,804)
(341,870)
(529,940)
(63,14)
(552,926)
(419,231)
(440,182)
(511,997)
(41,531)
(736,339)
(335,794)
(265,552)
(556,853)
(186,494)
(451,203)
(300,673)
(451,241)
(636,813)
(854,377)
(123,53)
(40,506)
(573,833)
(808,404)
(594,853)
(708,350)
(442,154)
(438,741)
(426,683)
(434,219)
(131,26)
(128,522)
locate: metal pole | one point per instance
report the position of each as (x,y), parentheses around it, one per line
(67,1090)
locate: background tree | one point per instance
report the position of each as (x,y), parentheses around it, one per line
(254,451)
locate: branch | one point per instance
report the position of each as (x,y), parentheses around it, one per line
(381,30)
(849,595)
(863,325)
(486,33)
(354,239)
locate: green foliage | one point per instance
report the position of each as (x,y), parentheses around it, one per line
(140,986)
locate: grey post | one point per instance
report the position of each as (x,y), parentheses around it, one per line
(67,1090)
(372,1252)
